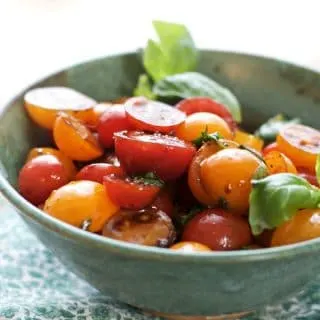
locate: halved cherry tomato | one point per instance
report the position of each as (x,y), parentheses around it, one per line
(67,162)
(226,176)
(270,147)
(40,176)
(248,140)
(163,202)
(74,139)
(81,202)
(153,116)
(190,246)
(112,120)
(168,157)
(129,194)
(277,162)
(147,227)
(310,176)
(305,225)
(97,171)
(43,104)
(194,178)
(218,229)
(301,144)
(204,104)
(200,122)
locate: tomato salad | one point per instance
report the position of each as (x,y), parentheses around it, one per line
(182,175)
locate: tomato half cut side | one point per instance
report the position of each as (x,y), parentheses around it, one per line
(153,116)
(128,194)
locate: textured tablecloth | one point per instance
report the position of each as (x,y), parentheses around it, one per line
(35,286)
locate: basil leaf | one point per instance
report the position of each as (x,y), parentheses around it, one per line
(270,129)
(192,84)
(277,198)
(318,169)
(175,52)
(143,88)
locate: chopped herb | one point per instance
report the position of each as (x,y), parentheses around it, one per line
(150,178)
(205,137)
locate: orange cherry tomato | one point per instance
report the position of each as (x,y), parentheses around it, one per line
(66,162)
(199,122)
(301,144)
(79,202)
(305,225)
(194,178)
(270,147)
(43,104)
(226,176)
(277,162)
(248,140)
(190,246)
(74,139)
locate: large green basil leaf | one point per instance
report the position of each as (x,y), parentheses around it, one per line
(192,84)
(144,88)
(175,52)
(277,198)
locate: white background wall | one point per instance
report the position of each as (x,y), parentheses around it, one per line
(41,36)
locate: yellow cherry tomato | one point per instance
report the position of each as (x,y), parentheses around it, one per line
(190,246)
(248,140)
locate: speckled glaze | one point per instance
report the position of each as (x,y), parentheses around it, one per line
(157,279)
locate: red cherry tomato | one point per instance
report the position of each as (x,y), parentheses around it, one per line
(128,194)
(168,157)
(153,116)
(306,174)
(40,176)
(112,120)
(163,202)
(203,104)
(218,229)
(270,147)
(96,172)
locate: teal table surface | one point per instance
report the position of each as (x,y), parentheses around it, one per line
(34,285)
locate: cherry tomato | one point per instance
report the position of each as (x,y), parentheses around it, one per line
(146,227)
(264,239)
(226,176)
(43,104)
(153,116)
(270,147)
(204,104)
(199,122)
(112,120)
(305,225)
(248,140)
(310,176)
(301,144)
(129,194)
(81,202)
(277,162)
(163,202)
(168,157)
(97,171)
(218,229)
(74,139)
(67,162)
(40,176)
(190,246)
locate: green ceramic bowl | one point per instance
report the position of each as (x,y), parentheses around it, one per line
(158,279)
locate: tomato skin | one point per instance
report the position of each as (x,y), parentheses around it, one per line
(40,176)
(128,194)
(168,157)
(112,120)
(270,147)
(97,171)
(163,202)
(189,246)
(305,225)
(309,176)
(218,229)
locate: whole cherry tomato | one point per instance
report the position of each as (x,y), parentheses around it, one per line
(218,229)
(84,204)
(305,225)
(310,176)
(190,246)
(168,157)
(277,162)
(40,176)
(270,147)
(204,104)
(147,227)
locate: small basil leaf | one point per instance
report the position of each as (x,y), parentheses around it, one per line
(277,198)
(270,129)
(192,84)
(318,169)
(175,52)
(143,88)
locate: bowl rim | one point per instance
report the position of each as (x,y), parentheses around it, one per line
(25,208)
